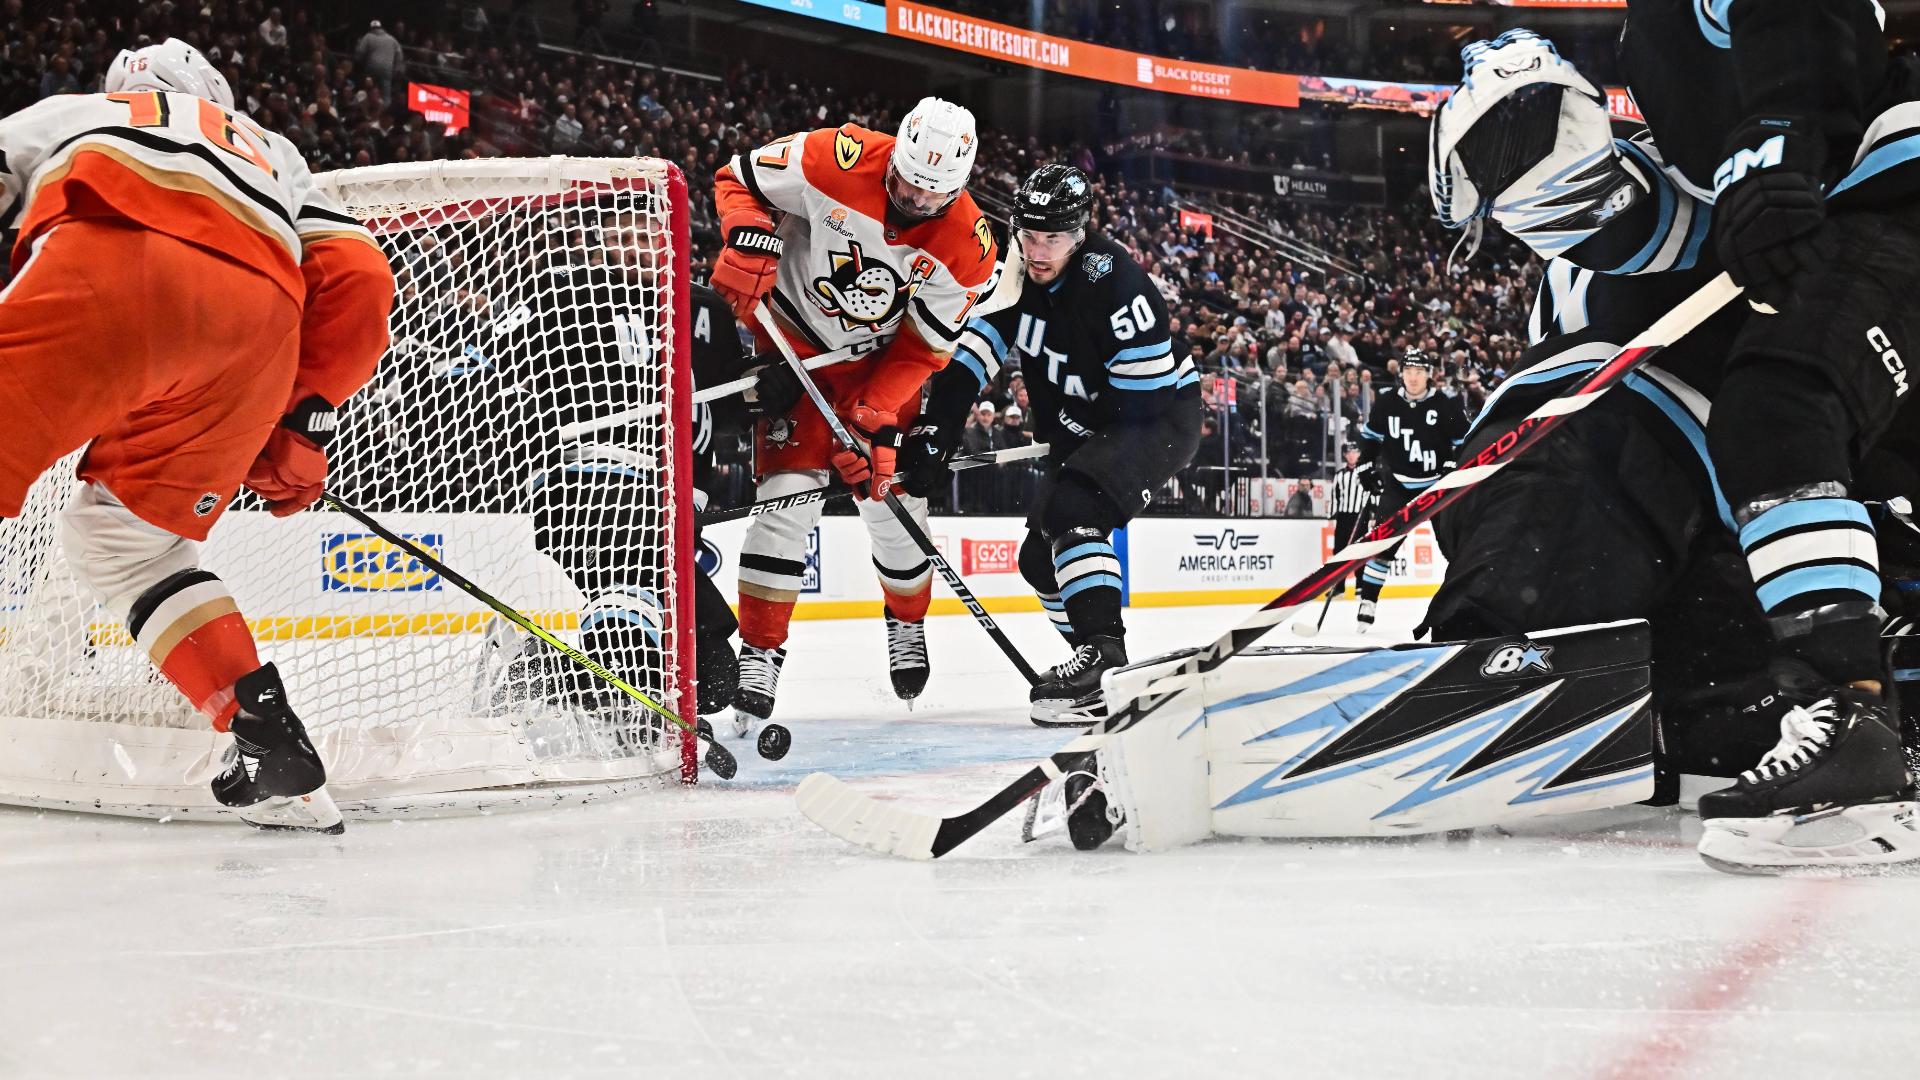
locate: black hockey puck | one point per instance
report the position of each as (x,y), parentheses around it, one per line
(774,742)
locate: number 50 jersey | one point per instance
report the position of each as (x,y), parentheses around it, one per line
(1093,345)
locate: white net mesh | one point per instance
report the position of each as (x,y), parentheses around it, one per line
(522,428)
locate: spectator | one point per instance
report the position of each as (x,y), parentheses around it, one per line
(978,436)
(567,129)
(1013,431)
(273,32)
(380,55)
(59,78)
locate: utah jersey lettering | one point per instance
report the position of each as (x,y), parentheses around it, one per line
(1094,348)
(1414,440)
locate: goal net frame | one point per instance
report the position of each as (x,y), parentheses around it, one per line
(133,762)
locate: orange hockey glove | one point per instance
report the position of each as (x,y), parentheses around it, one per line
(292,468)
(881,436)
(745,269)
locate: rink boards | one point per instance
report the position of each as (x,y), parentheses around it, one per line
(1165,562)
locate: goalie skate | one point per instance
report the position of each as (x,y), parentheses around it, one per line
(1834,793)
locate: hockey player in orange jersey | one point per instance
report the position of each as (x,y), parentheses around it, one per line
(185,304)
(853,238)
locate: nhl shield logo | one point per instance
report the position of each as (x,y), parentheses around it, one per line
(1097,265)
(206,504)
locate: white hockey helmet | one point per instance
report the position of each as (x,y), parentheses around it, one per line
(935,148)
(171,65)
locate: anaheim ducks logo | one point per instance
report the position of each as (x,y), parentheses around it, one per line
(846,150)
(858,292)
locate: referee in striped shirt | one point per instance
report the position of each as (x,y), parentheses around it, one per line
(1351,500)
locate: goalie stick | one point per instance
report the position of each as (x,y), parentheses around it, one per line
(912,527)
(828,492)
(718,758)
(889,829)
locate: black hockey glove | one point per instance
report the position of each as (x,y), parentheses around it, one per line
(1769,212)
(924,457)
(776,389)
(1370,478)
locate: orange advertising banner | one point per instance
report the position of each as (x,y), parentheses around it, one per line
(998,41)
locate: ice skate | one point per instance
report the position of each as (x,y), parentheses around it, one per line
(274,778)
(1363,620)
(907,656)
(1834,793)
(1069,695)
(759,685)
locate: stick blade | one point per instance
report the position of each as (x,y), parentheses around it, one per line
(864,821)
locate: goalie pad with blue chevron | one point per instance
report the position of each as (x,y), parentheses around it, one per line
(1414,738)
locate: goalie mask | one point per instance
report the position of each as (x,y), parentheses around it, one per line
(1526,140)
(172,65)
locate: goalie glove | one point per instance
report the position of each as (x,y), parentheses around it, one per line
(870,474)
(1525,140)
(291,469)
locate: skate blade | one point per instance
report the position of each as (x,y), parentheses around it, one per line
(743,723)
(312,812)
(1067,714)
(1871,839)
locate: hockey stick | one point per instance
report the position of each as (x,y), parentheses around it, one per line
(1359,526)
(718,758)
(912,527)
(829,492)
(894,830)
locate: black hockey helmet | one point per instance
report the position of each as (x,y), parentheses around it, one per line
(1053,198)
(1417,357)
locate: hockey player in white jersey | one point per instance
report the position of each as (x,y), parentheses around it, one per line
(186,305)
(853,238)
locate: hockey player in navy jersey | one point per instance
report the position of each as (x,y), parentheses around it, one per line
(1774,151)
(1408,440)
(1119,411)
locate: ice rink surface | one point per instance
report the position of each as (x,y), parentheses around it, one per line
(713,932)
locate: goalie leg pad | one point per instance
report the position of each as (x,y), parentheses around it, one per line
(1311,742)
(773,558)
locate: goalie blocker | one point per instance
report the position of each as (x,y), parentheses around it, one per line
(1340,742)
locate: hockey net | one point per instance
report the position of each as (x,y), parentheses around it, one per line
(419,698)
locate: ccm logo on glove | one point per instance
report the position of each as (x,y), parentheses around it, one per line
(1767,155)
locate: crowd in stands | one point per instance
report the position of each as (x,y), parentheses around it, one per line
(1293,353)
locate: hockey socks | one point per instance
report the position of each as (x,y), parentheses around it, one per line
(1056,609)
(1816,570)
(191,628)
(1088,572)
(1373,578)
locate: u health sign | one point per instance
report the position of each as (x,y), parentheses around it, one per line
(998,41)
